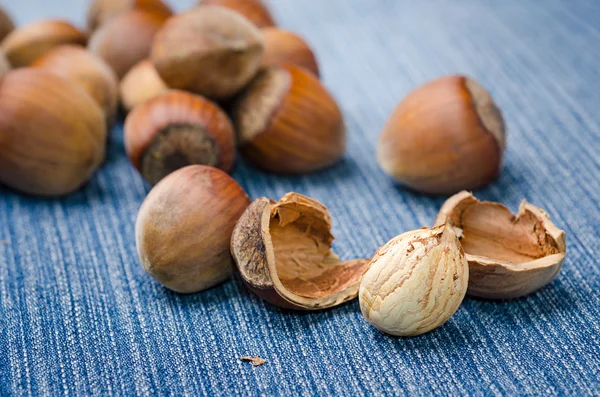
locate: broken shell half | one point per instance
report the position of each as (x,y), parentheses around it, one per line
(283,253)
(509,256)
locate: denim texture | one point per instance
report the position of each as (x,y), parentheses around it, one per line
(79,316)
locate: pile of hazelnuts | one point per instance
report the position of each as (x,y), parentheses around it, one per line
(199,87)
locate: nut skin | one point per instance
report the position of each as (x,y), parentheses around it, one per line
(184,226)
(283,47)
(52,133)
(141,84)
(254,10)
(529,257)
(445,136)
(6,24)
(208,50)
(90,72)
(287,122)
(175,130)
(24,45)
(101,11)
(415,282)
(138,26)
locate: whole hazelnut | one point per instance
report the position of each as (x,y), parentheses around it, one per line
(101,11)
(90,72)
(175,130)
(287,122)
(141,84)
(415,282)
(6,24)
(254,10)
(282,47)
(184,227)
(283,253)
(446,136)
(509,256)
(209,50)
(52,133)
(126,39)
(25,44)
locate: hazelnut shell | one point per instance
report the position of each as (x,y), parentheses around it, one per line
(285,47)
(101,11)
(141,84)
(283,253)
(253,10)
(509,256)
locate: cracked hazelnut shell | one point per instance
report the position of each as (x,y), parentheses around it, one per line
(445,136)
(509,256)
(141,84)
(287,122)
(175,130)
(90,72)
(283,253)
(52,133)
(184,227)
(253,10)
(6,24)
(283,47)
(101,11)
(208,50)
(25,44)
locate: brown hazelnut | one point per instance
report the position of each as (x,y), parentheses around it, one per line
(141,84)
(287,122)
(175,130)
(282,47)
(209,50)
(90,72)
(447,135)
(52,133)
(254,10)
(283,253)
(184,227)
(24,45)
(6,24)
(509,256)
(101,11)
(126,39)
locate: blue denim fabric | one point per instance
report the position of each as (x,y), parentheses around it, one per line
(78,315)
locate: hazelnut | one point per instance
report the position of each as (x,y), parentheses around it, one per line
(283,253)
(52,133)
(184,227)
(509,256)
(175,130)
(90,72)
(24,45)
(141,84)
(6,24)
(445,136)
(126,39)
(101,11)
(415,282)
(287,122)
(282,47)
(254,10)
(209,50)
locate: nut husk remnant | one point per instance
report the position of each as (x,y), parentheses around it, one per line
(509,256)
(283,253)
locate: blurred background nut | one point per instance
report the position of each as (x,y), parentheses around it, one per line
(254,10)
(90,72)
(445,136)
(6,24)
(184,227)
(25,44)
(282,47)
(126,39)
(141,84)
(101,11)
(415,282)
(209,50)
(287,122)
(509,256)
(175,130)
(52,133)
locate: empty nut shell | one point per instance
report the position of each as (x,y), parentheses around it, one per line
(141,84)
(101,11)
(509,256)
(283,47)
(254,10)
(283,253)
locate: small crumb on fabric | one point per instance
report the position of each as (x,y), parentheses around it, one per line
(255,361)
